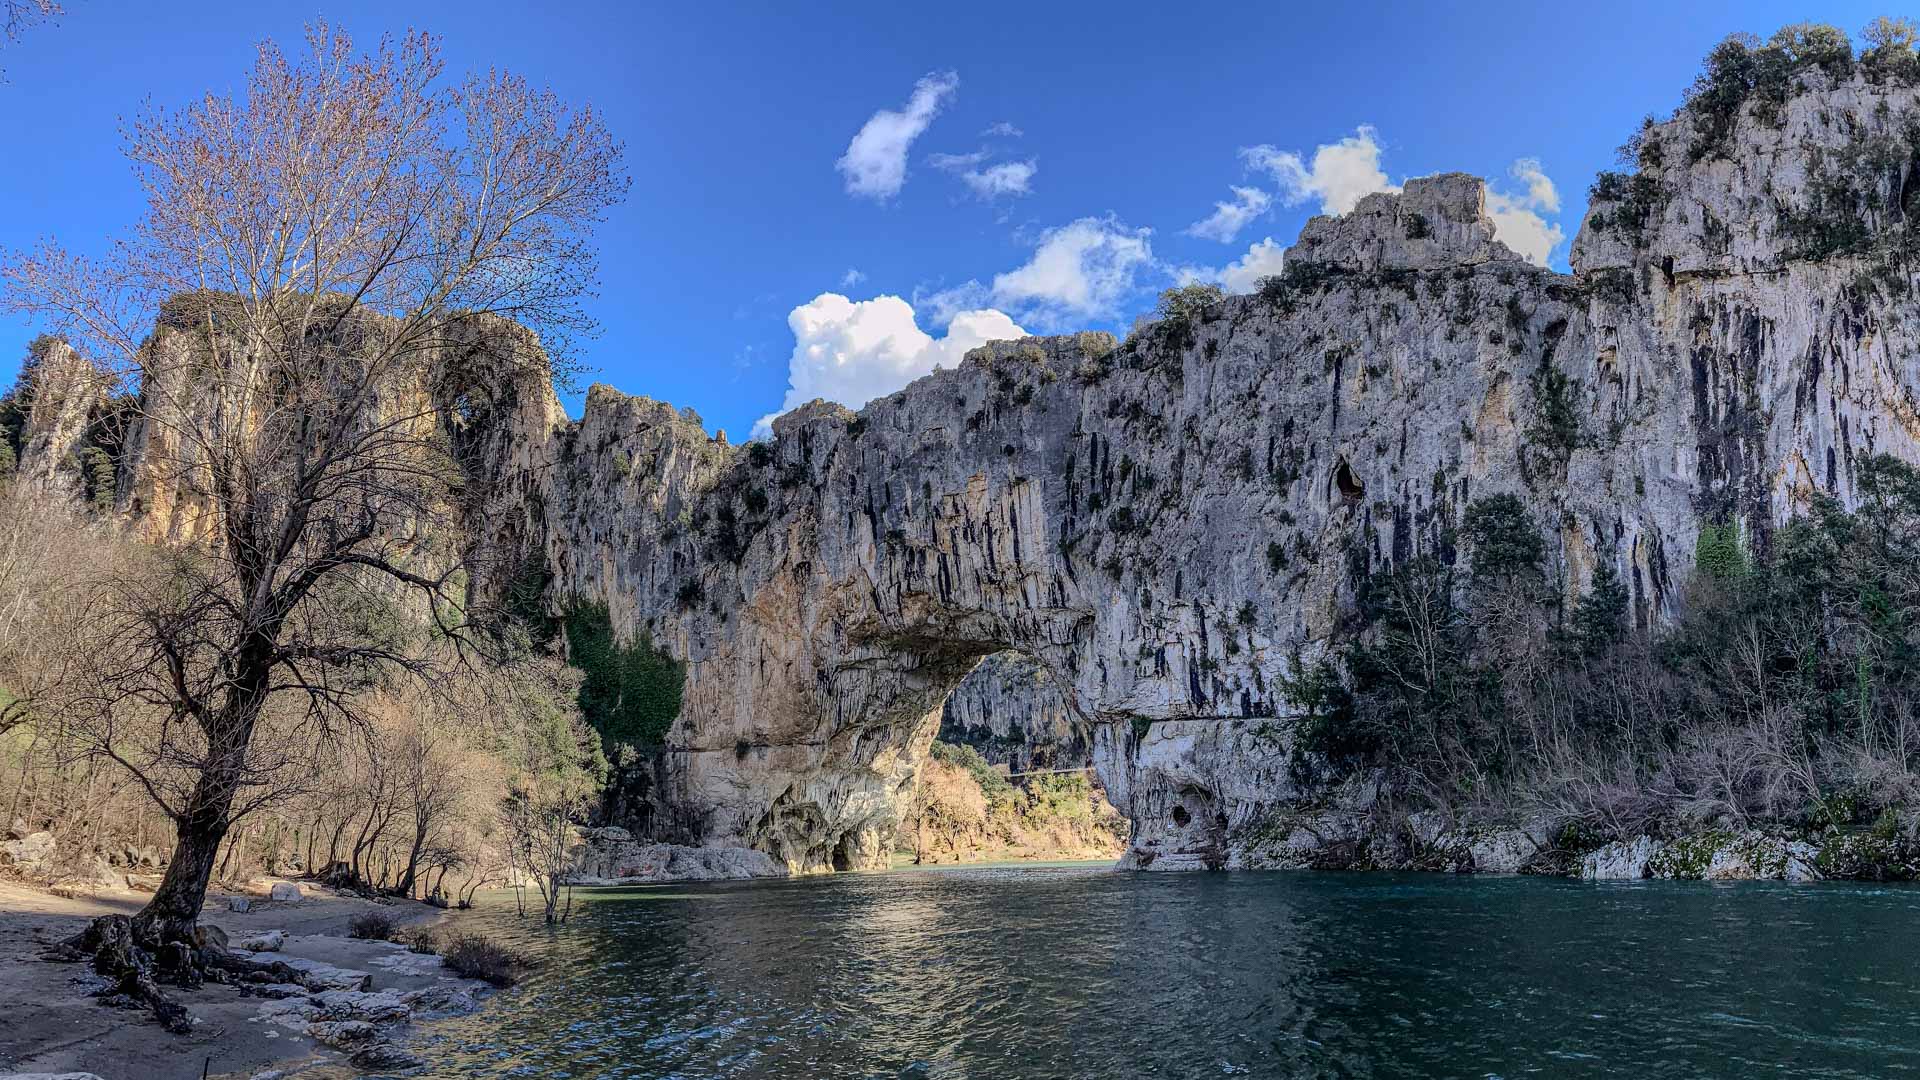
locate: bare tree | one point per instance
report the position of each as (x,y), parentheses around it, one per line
(538,819)
(19,16)
(320,249)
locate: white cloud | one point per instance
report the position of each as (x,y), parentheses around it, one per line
(1540,189)
(1002,130)
(1517,220)
(1011,179)
(1082,270)
(852,277)
(875,163)
(1228,218)
(1340,175)
(1263,259)
(1085,270)
(958,162)
(852,351)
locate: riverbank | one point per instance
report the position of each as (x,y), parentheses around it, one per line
(53,1026)
(1357,834)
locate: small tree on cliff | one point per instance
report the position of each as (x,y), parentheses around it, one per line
(316,247)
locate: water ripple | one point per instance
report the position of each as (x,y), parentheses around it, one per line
(1068,973)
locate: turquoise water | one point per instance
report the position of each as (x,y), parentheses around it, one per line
(1083,972)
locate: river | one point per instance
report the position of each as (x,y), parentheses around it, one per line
(1036,973)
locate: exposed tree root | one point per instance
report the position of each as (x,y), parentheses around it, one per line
(140,958)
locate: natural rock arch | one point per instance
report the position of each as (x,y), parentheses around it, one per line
(1171,526)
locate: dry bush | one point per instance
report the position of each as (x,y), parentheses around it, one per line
(371,926)
(474,957)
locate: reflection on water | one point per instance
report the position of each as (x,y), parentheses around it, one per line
(1082,972)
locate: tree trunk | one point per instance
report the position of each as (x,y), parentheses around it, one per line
(408,876)
(174,911)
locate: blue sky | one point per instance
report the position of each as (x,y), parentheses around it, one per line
(1135,121)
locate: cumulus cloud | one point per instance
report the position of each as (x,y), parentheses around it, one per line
(1263,259)
(1082,270)
(1228,218)
(1086,270)
(1339,175)
(875,164)
(1518,220)
(1009,179)
(852,351)
(851,278)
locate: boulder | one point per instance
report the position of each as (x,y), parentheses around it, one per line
(1735,856)
(317,975)
(262,941)
(442,1000)
(384,1057)
(1622,860)
(31,853)
(376,1008)
(1501,851)
(342,1034)
(91,873)
(239,904)
(288,892)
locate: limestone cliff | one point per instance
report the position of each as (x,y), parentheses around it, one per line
(1163,530)
(1166,527)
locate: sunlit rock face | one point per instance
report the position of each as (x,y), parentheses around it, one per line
(1164,529)
(67,394)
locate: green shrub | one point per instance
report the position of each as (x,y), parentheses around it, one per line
(1557,429)
(1889,56)
(1741,72)
(1502,538)
(631,692)
(1720,553)
(992,782)
(1189,302)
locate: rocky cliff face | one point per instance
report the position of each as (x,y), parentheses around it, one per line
(1164,527)
(1167,528)
(1163,531)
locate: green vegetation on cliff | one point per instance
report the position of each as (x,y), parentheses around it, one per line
(632,690)
(1783,693)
